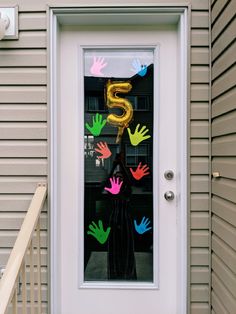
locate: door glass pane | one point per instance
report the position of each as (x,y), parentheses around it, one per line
(118,164)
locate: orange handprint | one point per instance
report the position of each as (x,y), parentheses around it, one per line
(140,172)
(103,149)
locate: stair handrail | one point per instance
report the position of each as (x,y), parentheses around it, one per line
(9,280)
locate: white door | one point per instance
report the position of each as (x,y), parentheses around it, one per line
(118,170)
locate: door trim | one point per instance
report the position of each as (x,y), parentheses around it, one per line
(112,15)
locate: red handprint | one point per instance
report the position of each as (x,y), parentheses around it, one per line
(103,149)
(140,172)
(115,186)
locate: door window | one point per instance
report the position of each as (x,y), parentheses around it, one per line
(119,205)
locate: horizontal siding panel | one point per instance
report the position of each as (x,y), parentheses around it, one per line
(23,76)
(217,8)
(23,130)
(224,146)
(32,21)
(224,295)
(224,209)
(199,129)
(199,238)
(199,92)
(23,149)
(200,56)
(224,252)
(199,308)
(199,147)
(23,94)
(23,112)
(16,167)
(30,39)
(8,238)
(224,273)
(200,19)
(226,166)
(199,202)
(217,305)
(199,183)
(20,203)
(199,165)
(5,253)
(17,185)
(199,257)
(224,230)
(224,18)
(199,220)
(224,103)
(199,5)
(224,125)
(199,74)
(224,62)
(23,58)
(44,274)
(199,275)
(224,188)
(13,221)
(199,293)
(224,40)
(199,111)
(200,37)
(224,83)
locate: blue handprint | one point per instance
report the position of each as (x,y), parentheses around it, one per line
(139,68)
(143,227)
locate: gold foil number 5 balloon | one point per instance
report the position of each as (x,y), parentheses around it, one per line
(114,101)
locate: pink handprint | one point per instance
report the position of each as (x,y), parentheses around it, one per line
(115,186)
(98,65)
(103,149)
(140,172)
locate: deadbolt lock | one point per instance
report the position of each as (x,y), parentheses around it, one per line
(169,174)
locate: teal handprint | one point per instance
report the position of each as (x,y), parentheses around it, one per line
(97,125)
(143,227)
(98,232)
(138,136)
(140,69)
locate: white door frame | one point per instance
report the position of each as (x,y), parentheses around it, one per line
(149,14)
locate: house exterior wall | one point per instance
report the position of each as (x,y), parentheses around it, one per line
(223,20)
(23,136)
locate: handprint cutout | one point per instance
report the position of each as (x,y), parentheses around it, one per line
(103,149)
(98,65)
(140,172)
(143,227)
(140,69)
(115,186)
(138,136)
(98,232)
(97,125)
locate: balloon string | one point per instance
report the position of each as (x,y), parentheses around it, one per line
(119,134)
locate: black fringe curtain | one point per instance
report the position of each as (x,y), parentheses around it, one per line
(121,259)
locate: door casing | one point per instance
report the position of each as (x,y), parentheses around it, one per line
(149,14)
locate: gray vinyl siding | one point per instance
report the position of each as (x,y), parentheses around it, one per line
(23,131)
(199,160)
(23,136)
(223,19)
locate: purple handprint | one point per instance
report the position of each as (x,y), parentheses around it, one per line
(115,186)
(98,65)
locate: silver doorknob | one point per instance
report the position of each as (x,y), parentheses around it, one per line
(169,195)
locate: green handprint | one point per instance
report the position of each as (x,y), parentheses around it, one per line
(97,126)
(98,233)
(138,136)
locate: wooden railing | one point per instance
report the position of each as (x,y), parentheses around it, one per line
(13,285)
